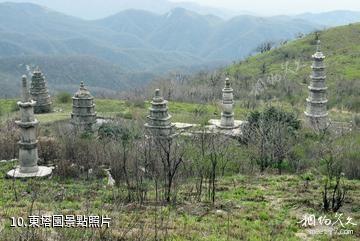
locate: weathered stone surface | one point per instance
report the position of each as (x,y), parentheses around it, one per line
(183,126)
(28,151)
(236,131)
(83,115)
(227,124)
(227,115)
(221,213)
(316,109)
(39,93)
(159,120)
(41,172)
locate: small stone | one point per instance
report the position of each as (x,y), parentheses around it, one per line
(220,213)
(181,210)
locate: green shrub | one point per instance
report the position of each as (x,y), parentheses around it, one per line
(356,120)
(14,107)
(125,115)
(64,97)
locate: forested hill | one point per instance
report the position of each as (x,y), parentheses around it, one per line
(128,49)
(284,72)
(131,41)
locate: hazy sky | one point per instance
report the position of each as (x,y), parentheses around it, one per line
(93,9)
(281,6)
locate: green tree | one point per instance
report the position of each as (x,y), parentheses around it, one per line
(270,135)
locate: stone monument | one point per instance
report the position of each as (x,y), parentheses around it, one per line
(316,110)
(28,152)
(227,121)
(159,120)
(227,114)
(39,93)
(83,115)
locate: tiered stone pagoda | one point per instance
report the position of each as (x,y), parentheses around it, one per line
(227,121)
(316,110)
(159,120)
(83,115)
(28,152)
(227,115)
(39,93)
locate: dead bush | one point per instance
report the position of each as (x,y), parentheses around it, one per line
(48,149)
(10,135)
(66,169)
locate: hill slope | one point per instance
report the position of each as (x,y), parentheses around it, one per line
(28,30)
(205,36)
(284,72)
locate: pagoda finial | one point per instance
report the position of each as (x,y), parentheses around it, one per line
(157,93)
(227,82)
(82,86)
(25,92)
(318,46)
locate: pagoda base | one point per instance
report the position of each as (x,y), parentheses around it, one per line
(317,121)
(232,131)
(217,123)
(42,172)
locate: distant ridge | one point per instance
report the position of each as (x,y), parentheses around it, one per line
(134,42)
(333,18)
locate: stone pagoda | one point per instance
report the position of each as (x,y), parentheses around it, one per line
(159,120)
(227,115)
(28,152)
(83,115)
(316,110)
(39,92)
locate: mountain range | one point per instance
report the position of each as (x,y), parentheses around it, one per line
(129,48)
(331,19)
(98,9)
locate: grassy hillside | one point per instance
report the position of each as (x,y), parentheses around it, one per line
(182,112)
(284,72)
(248,208)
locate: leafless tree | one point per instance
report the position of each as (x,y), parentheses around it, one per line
(331,152)
(171,153)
